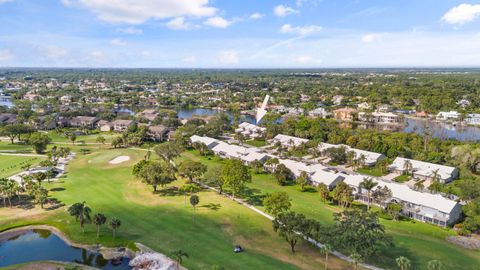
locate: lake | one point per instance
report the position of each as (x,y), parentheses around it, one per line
(42,245)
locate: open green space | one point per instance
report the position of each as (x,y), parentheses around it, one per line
(373,171)
(10,164)
(164,222)
(402,178)
(256,143)
(418,241)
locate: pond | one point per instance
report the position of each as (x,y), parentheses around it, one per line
(42,245)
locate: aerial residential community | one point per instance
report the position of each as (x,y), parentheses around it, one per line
(293,134)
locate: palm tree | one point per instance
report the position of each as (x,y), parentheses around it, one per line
(403,262)
(99,219)
(178,256)
(407,166)
(419,186)
(81,212)
(368,184)
(361,160)
(115,223)
(435,265)
(355,259)
(194,200)
(326,249)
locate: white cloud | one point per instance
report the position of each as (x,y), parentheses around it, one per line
(118,42)
(300,30)
(179,23)
(53,52)
(131,30)
(189,60)
(139,11)
(461,14)
(6,55)
(282,11)
(5,1)
(218,22)
(369,38)
(256,16)
(146,53)
(228,57)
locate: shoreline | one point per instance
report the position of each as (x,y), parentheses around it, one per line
(107,252)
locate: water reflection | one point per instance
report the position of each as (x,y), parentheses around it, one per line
(41,245)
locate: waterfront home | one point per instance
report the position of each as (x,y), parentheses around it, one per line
(368,158)
(250,130)
(319,112)
(424,170)
(448,116)
(473,119)
(122,125)
(385,108)
(209,142)
(288,141)
(148,114)
(7,118)
(157,133)
(83,122)
(345,114)
(425,207)
(379,117)
(363,106)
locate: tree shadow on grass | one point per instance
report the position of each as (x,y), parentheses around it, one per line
(212,206)
(387,255)
(253,196)
(169,191)
(309,190)
(53,204)
(57,189)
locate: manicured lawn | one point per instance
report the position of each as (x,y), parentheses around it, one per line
(10,165)
(6,146)
(164,222)
(89,138)
(402,178)
(257,143)
(371,171)
(418,241)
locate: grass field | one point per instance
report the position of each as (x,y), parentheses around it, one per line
(418,241)
(164,222)
(256,143)
(9,165)
(371,171)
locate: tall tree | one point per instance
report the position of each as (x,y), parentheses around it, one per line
(290,225)
(323,191)
(235,175)
(191,169)
(277,202)
(194,200)
(368,184)
(81,212)
(168,151)
(282,174)
(99,219)
(326,249)
(115,223)
(39,141)
(302,180)
(156,173)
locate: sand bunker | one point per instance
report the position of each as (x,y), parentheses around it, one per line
(119,159)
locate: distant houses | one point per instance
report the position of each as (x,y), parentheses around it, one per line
(379,117)
(448,116)
(345,114)
(368,158)
(319,112)
(288,141)
(250,130)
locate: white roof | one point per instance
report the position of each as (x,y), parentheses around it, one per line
(328,178)
(254,156)
(251,127)
(370,157)
(424,168)
(404,193)
(295,166)
(233,150)
(289,140)
(203,139)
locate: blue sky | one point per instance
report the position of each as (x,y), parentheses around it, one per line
(239,33)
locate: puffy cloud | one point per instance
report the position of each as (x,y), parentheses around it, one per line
(369,38)
(228,57)
(179,23)
(256,16)
(118,42)
(6,55)
(282,11)
(130,30)
(461,14)
(139,11)
(218,22)
(300,30)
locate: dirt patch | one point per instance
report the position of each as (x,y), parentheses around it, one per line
(119,159)
(465,242)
